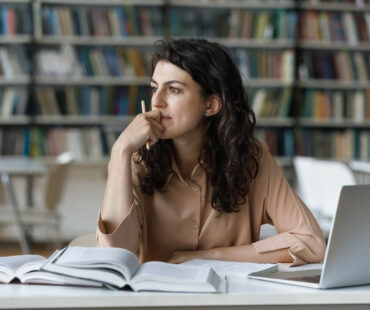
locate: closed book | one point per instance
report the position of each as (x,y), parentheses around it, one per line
(336,27)
(11,21)
(350,28)
(4,20)
(114,22)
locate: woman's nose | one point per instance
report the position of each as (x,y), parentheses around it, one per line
(158,99)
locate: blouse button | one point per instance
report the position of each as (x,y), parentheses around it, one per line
(195,187)
(195,224)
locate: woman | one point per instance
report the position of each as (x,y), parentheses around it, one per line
(206,185)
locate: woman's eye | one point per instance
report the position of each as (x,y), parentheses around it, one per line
(153,89)
(174,89)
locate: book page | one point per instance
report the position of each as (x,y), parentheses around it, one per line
(45,277)
(10,264)
(117,259)
(29,267)
(161,276)
(228,268)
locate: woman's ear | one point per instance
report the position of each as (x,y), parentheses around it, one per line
(213,105)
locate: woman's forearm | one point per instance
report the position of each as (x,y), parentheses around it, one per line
(247,253)
(118,196)
(243,253)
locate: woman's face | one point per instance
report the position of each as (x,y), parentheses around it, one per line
(179,99)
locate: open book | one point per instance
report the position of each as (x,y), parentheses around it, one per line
(117,268)
(26,269)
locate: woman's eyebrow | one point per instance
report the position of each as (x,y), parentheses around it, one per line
(169,82)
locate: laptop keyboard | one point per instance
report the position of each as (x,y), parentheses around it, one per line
(310,279)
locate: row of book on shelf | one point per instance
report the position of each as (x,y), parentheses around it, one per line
(272,103)
(100,61)
(13,61)
(129,20)
(95,142)
(241,23)
(125,20)
(15,19)
(351,27)
(315,104)
(70,61)
(144,21)
(185,21)
(35,142)
(335,105)
(13,101)
(277,65)
(90,100)
(344,145)
(339,65)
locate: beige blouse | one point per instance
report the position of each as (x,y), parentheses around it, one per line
(181,218)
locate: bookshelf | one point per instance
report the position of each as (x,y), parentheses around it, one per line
(15,71)
(104,47)
(333,117)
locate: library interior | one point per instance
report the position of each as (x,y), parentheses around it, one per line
(73,74)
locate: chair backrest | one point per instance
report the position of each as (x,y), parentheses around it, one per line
(57,175)
(88,240)
(320,183)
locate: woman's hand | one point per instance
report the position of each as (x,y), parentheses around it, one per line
(179,257)
(144,127)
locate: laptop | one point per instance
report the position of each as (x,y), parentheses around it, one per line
(347,257)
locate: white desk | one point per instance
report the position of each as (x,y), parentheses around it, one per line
(25,167)
(243,294)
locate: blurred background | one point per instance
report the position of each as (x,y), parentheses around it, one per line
(73,72)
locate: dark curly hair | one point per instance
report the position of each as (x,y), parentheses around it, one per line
(230,152)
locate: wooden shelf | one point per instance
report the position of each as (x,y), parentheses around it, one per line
(82,120)
(342,7)
(15,39)
(268,83)
(92,81)
(15,1)
(332,123)
(15,120)
(104,2)
(17,80)
(333,84)
(275,122)
(250,43)
(250,4)
(334,45)
(93,41)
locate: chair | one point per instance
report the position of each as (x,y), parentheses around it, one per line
(45,215)
(88,240)
(319,183)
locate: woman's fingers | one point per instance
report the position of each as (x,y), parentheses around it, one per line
(143,128)
(155,115)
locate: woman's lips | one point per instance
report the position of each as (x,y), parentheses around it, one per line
(165,117)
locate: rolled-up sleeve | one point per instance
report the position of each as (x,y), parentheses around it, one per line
(127,235)
(297,229)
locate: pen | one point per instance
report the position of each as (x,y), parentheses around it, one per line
(147,144)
